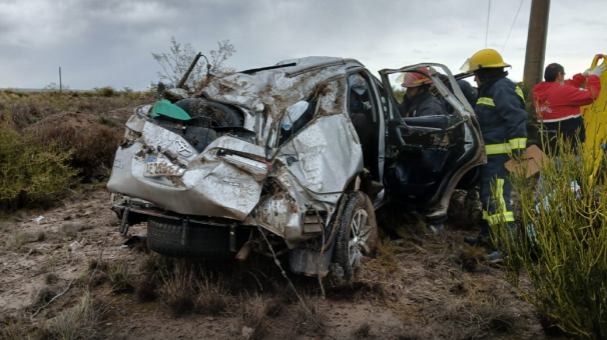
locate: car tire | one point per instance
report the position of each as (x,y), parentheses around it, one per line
(356,237)
(201,241)
(221,115)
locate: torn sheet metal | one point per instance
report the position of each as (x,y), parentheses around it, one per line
(208,186)
(226,178)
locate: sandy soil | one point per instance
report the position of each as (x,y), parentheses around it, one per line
(416,289)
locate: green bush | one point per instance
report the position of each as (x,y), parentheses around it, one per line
(30,172)
(107,91)
(563,245)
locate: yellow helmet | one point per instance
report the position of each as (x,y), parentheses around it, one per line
(486,58)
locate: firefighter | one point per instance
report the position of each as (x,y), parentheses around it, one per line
(500,110)
(419,101)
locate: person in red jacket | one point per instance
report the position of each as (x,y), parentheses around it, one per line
(557,104)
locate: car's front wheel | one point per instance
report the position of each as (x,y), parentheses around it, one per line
(356,237)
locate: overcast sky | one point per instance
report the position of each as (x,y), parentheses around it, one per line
(99,43)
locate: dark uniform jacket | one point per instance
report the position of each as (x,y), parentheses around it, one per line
(500,111)
(422,105)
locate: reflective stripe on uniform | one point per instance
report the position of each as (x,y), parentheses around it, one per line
(495,149)
(500,205)
(499,217)
(518,143)
(520,93)
(485,101)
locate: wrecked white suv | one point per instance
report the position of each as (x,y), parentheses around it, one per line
(291,159)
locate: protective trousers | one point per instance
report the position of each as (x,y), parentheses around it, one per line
(495,195)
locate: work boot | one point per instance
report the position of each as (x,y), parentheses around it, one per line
(436,228)
(495,257)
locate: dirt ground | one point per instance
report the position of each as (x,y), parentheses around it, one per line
(416,288)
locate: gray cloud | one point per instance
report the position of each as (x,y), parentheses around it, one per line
(109,42)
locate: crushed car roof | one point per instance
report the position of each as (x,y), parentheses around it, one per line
(270,90)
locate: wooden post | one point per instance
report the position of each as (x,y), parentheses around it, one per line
(536,42)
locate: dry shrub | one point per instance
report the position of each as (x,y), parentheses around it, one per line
(563,243)
(43,295)
(178,292)
(15,241)
(93,142)
(80,322)
(213,299)
(146,288)
(26,108)
(254,314)
(32,172)
(106,91)
(309,317)
(120,276)
(151,269)
(15,329)
(51,278)
(363,331)
(18,240)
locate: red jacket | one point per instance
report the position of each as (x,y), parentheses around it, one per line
(555,103)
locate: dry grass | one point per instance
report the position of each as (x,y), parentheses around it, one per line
(43,295)
(15,329)
(80,322)
(29,107)
(93,142)
(253,313)
(178,291)
(213,298)
(120,275)
(363,332)
(16,241)
(71,230)
(309,318)
(47,139)
(19,239)
(51,278)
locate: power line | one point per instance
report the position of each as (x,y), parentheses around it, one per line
(487,29)
(511,27)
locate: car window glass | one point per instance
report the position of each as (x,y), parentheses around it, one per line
(295,118)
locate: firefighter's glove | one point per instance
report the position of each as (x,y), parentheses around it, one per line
(597,71)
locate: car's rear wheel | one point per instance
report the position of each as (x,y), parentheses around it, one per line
(356,237)
(172,238)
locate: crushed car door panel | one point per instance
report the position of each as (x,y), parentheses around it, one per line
(429,155)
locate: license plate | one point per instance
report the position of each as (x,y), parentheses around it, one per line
(157,169)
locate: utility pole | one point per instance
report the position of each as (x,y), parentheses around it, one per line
(60,86)
(536,42)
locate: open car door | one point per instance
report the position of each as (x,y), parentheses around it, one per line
(426,157)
